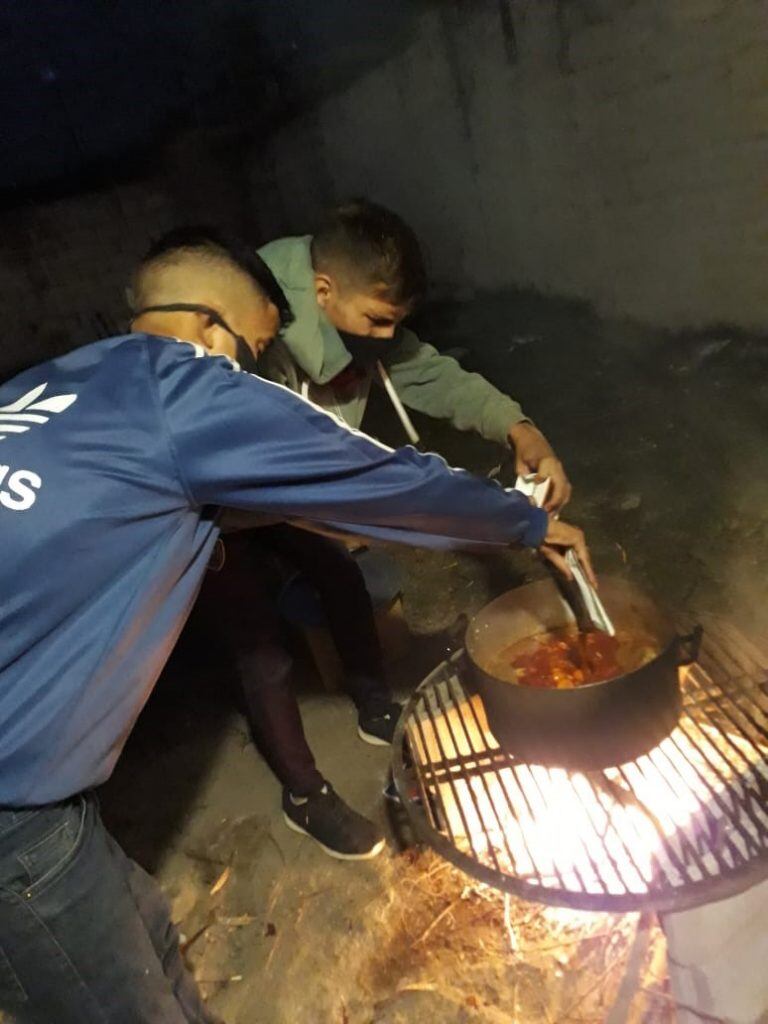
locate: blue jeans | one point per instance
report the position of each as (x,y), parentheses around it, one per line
(85,933)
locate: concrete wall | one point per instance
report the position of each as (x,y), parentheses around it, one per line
(613,150)
(65,262)
(64,268)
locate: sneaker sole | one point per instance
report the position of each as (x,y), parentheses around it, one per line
(373,852)
(375,741)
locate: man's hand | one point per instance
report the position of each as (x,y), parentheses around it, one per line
(534,454)
(561,536)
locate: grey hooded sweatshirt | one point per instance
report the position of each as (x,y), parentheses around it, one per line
(311,354)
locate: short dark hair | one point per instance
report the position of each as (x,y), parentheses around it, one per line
(371,246)
(216,244)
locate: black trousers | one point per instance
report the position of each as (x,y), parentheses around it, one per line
(241,600)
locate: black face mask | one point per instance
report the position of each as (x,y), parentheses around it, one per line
(366,351)
(243,353)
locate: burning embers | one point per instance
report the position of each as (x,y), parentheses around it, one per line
(684,824)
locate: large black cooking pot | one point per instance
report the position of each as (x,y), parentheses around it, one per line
(588,727)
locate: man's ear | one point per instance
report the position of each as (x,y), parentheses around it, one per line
(207,332)
(323,289)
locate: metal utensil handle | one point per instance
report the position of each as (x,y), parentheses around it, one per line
(569,590)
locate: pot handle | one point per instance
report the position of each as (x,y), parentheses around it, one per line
(688,646)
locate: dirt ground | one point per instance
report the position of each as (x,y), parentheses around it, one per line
(279,933)
(664,439)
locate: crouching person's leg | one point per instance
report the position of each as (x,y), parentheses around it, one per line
(78,944)
(336,576)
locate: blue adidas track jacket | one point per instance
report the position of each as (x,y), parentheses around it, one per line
(114,460)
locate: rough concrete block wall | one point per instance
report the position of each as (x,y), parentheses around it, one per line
(65,263)
(613,150)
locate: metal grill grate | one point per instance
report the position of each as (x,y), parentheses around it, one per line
(684,825)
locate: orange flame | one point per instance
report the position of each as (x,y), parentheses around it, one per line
(555,828)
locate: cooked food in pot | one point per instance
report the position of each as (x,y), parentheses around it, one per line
(565,658)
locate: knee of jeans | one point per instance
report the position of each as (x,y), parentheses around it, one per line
(344,577)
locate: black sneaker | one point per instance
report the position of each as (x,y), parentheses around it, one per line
(342,832)
(378,725)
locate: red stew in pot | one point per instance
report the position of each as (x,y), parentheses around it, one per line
(566,658)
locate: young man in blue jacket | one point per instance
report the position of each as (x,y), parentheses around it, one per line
(114,462)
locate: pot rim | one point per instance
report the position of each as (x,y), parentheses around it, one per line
(666,645)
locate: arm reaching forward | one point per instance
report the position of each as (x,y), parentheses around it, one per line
(438,385)
(246,443)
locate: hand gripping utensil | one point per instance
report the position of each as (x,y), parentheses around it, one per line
(581,596)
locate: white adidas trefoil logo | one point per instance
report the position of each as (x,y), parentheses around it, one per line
(20,415)
(19,487)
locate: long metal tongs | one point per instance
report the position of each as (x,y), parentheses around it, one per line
(580,595)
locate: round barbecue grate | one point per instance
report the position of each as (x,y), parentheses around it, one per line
(684,825)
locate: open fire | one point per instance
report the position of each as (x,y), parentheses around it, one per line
(686,823)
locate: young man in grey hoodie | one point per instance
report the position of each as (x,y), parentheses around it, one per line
(349,287)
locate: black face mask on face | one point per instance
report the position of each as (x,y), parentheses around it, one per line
(366,351)
(243,353)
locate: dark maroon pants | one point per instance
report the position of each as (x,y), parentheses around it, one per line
(241,600)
